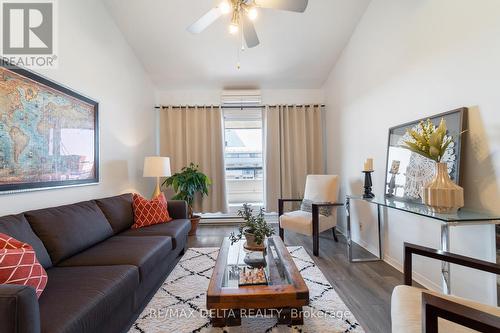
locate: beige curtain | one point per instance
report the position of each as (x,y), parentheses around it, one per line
(194,134)
(293,141)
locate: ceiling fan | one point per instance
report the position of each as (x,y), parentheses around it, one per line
(243,13)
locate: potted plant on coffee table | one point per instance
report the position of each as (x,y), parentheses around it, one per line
(254,227)
(186,184)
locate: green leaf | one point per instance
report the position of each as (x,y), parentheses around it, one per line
(188,183)
(412,147)
(429,141)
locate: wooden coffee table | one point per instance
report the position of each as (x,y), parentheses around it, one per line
(284,295)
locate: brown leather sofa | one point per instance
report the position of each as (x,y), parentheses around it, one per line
(101,273)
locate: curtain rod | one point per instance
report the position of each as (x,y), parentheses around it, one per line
(236,106)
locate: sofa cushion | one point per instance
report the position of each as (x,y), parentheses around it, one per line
(19,265)
(67,230)
(78,299)
(306,206)
(176,229)
(301,222)
(142,252)
(149,212)
(406,311)
(118,210)
(17,227)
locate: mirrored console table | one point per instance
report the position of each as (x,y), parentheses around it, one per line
(463,217)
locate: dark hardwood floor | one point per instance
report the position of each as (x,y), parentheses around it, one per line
(365,287)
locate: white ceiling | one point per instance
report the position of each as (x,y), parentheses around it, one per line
(297,51)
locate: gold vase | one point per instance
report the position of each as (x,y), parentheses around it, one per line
(442,195)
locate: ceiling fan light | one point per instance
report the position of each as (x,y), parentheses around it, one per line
(224,7)
(233,28)
(252,13)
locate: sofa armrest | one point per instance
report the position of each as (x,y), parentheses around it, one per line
(410,249)
(177,209)
(434,307)
(19,311)
(281,204)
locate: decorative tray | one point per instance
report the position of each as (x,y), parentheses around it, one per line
(252,276)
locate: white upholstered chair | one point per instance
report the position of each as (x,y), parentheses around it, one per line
(415,310)
(321,193)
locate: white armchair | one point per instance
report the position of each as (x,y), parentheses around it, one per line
(320,194)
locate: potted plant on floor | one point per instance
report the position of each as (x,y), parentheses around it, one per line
(186,184)
(254,227)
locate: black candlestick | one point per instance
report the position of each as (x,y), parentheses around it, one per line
(368,185)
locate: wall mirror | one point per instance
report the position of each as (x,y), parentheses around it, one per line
(407,172)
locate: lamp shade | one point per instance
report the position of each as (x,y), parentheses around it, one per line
(157,166)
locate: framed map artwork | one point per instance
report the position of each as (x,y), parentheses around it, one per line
(48,134)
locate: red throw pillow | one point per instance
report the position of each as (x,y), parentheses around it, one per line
(19,265)
(149,212)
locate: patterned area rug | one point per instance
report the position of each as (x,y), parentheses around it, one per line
(179,305)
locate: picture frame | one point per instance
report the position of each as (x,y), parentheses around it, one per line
(49,134)
(407,172)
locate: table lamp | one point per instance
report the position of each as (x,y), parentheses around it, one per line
(157,166)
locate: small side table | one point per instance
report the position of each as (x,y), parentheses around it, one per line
(463,217)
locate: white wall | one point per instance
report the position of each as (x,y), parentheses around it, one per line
(95,60)
(407,60)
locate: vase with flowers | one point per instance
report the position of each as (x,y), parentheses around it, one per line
(441,194)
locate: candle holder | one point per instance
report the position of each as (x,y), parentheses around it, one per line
(368,185)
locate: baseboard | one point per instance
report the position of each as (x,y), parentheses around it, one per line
(234,220)
(367,247)
(339,229)
(221,221)
(228,222)
(419,278)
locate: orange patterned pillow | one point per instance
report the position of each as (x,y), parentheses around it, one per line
(149,212)
(19,265)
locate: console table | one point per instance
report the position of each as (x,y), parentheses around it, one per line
(463,217)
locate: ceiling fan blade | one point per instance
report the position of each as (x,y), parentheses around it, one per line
(203,22)
(249,32)
(291,5)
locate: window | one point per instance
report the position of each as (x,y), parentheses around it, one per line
(243,157)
